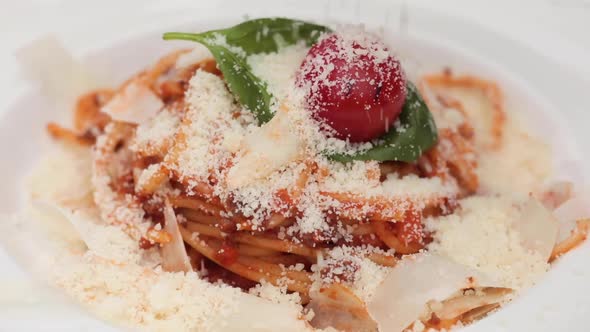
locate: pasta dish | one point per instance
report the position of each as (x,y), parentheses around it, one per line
(303,173)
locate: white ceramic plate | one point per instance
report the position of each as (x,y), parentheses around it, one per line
(533,86)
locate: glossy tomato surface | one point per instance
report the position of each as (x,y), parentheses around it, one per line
(353,84)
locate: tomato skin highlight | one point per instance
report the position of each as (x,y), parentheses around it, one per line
(356,87)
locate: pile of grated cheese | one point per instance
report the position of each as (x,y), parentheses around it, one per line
(122,283)
(151,299)
(522,154)
(480,235)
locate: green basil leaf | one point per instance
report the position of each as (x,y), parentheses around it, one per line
(231,46)
(250,91)
(417,133)
(267,35)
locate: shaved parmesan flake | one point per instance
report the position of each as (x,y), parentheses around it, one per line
(556,193)
(107,241)
(136,104)
(174,256)
(576,208)
(198,54)
(453,307)
(56,223)
(61,77)
(402,297)
(265,150)
(336,306)
(537,228)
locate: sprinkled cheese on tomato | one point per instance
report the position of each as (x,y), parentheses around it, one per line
(353,84)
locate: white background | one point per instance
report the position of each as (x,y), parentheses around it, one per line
(557,29)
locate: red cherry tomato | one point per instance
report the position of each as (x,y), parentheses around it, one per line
(354,85)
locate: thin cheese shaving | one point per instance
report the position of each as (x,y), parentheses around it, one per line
(266,150)
(136,104)
(410,285)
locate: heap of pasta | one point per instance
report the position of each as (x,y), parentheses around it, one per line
(150,146)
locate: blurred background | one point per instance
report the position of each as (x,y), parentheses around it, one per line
(559,29)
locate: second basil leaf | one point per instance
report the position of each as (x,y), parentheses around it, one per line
(416,133)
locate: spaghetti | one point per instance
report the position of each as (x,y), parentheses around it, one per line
(164,181)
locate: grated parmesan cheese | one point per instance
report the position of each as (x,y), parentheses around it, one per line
(156,133)
(275,294)
(522,154)
(139,297)
(46,182)
(369,278)
(347,264)
(355,177)
(209,116)
(278,69)
(153,300)
(491,246)
(146,176)
(219,39)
